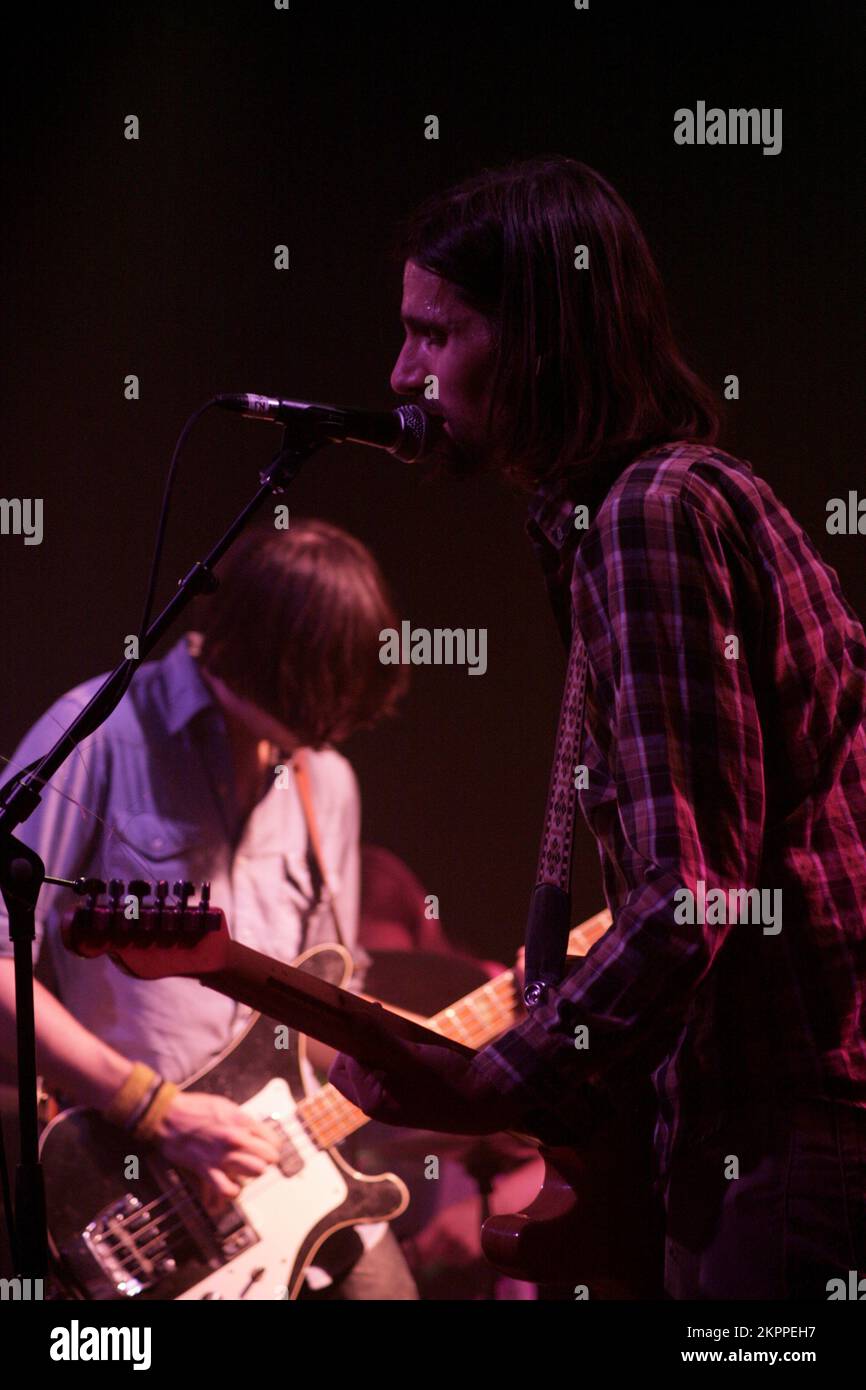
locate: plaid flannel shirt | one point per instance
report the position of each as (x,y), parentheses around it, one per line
(725,745)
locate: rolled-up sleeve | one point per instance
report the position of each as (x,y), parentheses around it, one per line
(660,591)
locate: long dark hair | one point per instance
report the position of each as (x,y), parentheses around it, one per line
(586,369)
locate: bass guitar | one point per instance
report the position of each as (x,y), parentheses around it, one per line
(139,1230)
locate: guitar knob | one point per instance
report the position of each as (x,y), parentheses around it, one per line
(204,897)
(115,891)
(161,891)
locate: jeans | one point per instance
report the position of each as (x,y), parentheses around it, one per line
(793,1219)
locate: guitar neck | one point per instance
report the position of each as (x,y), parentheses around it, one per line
(350,1023)
(475,1020)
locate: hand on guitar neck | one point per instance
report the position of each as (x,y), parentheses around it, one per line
(440,1091)
(447,1095)
(450,1095)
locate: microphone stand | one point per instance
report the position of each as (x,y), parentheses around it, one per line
(22,872)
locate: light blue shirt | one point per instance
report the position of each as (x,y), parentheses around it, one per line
(151,795)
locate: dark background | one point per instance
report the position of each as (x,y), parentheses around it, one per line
(306,127)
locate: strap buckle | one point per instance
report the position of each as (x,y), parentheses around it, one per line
(535,993)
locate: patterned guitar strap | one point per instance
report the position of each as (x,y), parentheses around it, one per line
(549,920)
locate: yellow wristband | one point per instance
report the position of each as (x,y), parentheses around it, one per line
(131,1093)
(149,1122)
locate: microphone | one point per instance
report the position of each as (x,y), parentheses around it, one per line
(407,432)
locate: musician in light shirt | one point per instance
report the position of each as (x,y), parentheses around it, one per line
(187,780)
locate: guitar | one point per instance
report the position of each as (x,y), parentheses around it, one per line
(596,1224)
(149,1237)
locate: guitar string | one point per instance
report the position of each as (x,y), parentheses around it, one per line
(325,1099)
(473,1032)
(334,1100)
(477,1029)
(328,1099)
(328,1126)
(175,1202)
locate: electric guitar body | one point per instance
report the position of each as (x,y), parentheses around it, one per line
(150,1237)
(594,1225)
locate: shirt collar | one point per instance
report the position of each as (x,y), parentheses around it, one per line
(551,512)
(551,509)
(182,691)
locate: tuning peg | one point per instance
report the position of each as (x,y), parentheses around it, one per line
(115,892)
(138,888)
(183,891)
(204,897)
(160,893)
(93,887)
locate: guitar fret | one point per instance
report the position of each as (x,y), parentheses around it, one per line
(329,1117)
(475,1020)
(487,1012)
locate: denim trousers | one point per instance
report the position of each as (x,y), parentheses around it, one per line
(773,1207)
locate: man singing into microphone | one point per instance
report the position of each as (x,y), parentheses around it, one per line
(724,741)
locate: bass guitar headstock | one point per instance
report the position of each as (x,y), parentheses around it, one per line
(147,931)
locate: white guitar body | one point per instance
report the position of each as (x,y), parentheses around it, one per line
(152,1237)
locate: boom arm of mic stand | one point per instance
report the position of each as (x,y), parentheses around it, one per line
(22,872)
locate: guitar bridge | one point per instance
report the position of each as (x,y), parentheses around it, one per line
(131,1247)
(122,1253)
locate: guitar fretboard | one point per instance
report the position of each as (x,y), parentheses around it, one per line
(475,1020)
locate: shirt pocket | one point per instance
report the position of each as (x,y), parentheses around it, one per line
(153,848)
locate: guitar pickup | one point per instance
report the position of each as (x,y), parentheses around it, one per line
(233,1232)
(289,1161)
